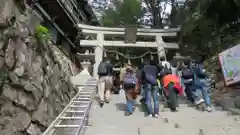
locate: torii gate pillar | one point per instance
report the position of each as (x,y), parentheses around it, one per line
(98,53)
(160,47)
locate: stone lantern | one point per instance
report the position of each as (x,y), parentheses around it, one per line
(85,66)
(87,60)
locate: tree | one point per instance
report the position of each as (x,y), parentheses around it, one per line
(209,26)
(154,13)
(154,8)
(126,12)
(160,16)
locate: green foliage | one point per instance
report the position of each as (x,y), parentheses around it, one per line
(42,36)
(204,22)
(42,33)
(125,12)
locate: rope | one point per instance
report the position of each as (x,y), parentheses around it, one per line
(129,57)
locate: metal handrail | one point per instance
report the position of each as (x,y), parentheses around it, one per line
(87,111)
(86,115)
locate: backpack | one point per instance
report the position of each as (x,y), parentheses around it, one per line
(148,74)
(130,78)
(151,79)
(199,72)
(165,71)
(187,73)
(102,68)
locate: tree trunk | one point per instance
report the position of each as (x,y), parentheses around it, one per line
(173,16)
(154,8)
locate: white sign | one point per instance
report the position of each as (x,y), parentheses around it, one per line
(230,64)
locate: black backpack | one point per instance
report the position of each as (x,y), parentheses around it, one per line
(102,68)
(187,73)
(165,71)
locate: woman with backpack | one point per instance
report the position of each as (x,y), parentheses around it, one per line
(130,85)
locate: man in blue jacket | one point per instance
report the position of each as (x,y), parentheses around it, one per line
(201,83)
(149,82)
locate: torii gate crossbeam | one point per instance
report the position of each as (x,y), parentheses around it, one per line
(100,43)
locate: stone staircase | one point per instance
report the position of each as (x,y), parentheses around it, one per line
(110,120)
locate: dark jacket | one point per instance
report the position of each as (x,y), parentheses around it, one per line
(199,71)
(151,70)
(110,69)
(110,72)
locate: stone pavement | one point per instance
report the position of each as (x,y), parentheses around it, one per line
(110,120)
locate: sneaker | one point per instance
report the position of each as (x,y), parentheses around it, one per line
(150,115)
(156,115)
(107,101)
(142,100)
(199,101)
(101,104)
(134,108)
(173,109)
(209,109)
(128,113)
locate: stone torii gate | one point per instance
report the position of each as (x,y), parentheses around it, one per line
(100,42)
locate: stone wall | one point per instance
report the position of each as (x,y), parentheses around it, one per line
(34,81)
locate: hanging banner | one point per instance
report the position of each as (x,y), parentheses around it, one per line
(230,64)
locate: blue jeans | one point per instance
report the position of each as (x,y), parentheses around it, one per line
(201,92)
(152,93)
(130,102)
(204,89)
(197,95)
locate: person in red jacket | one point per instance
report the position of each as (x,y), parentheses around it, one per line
(171,78)
(171,89)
